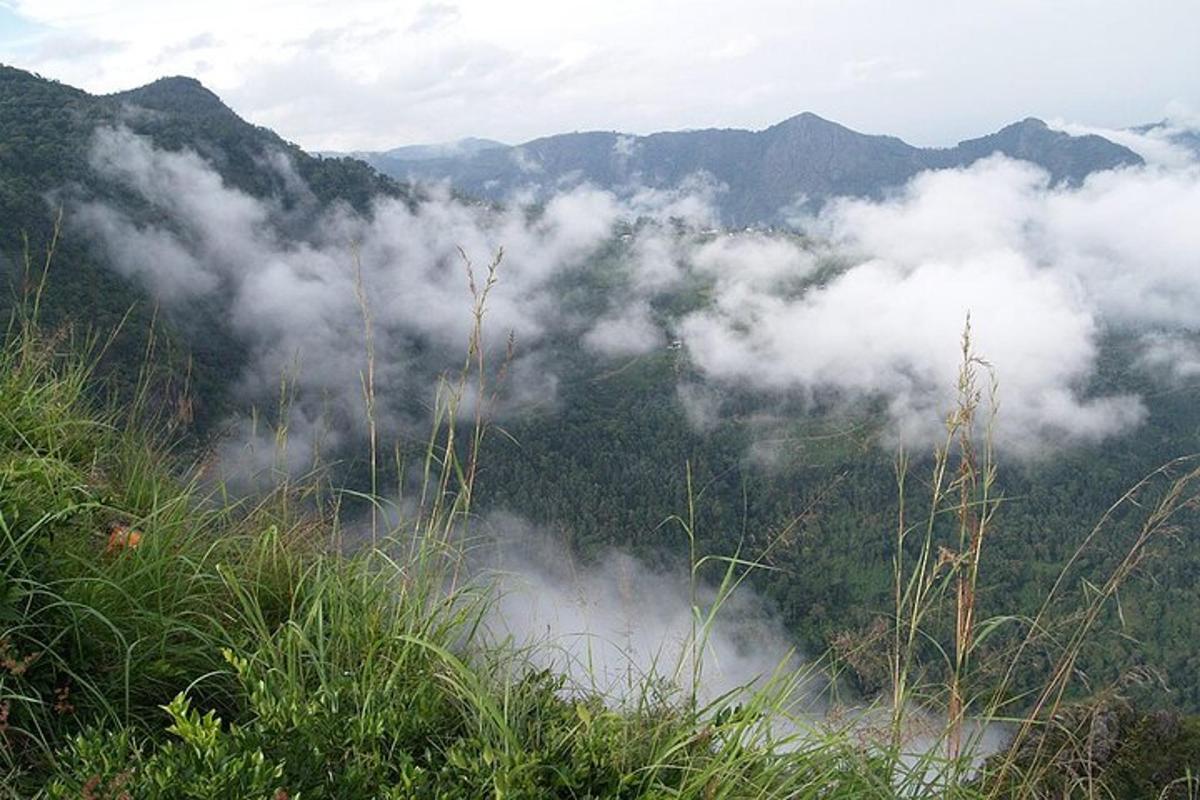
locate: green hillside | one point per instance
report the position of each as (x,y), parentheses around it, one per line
(161,642)
(805,487)
(46,132)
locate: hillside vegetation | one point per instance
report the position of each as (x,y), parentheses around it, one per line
(46,131)
(162,641)
(159,642)
(139,595)
(604,463)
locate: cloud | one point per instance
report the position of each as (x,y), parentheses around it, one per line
(439,71)
(432,16)
(1041,270)
(624,147)
(691,202)
(883,330)
(524,161)
(225,227)
(1157,145)
(611,624)
(294,302)
(659,260)
(629,332)
(1128,237)
(753,261)
(868,305)
(701,404)
(1174,356)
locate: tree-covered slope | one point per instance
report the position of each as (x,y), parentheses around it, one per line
(600,455)
(160,642)
(46,136)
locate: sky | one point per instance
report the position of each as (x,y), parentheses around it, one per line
(366,74)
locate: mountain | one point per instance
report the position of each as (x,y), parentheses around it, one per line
(610,452)
(46,130)
(761,173)
(46,134)
(389,161)
(463,148)
(1067,158)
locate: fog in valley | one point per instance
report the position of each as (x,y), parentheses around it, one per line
(862,301)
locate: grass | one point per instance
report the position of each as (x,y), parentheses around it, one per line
(240,650)
(234,652)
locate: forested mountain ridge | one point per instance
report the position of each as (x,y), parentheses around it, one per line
(46,136)
(48,127)
(193,116)
(760,176)
(603,458)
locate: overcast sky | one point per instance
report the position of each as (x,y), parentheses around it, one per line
(366,74)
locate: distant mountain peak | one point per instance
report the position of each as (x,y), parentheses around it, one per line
(808,117)
(459,148)
(1029,123)
(808,120)
(175,82)
(1028,129)
(762,172)
(179,94)
(1066,157)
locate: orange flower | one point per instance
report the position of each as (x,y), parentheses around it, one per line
(122,537)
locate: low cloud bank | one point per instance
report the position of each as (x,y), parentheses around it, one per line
(869,303)
(1042,270)
(616,623)
(865,301)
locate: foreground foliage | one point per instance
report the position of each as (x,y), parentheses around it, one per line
(231,651)
(161,641)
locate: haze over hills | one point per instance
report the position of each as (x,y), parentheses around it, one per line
(48,161)
(756,177)
(1185,138)
(642,344)
(766,402)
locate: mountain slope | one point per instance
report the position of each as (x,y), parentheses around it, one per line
(599,461)
(1066,157)
(760,173)
(179,112)
(47,131)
